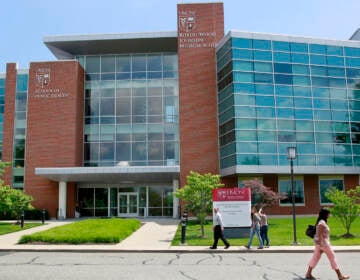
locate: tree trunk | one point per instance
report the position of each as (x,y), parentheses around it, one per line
(202,230)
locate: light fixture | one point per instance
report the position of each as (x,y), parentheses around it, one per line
(291,153)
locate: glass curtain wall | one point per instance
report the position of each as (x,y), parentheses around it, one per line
(103,201)
(20,131)
(131,110)
(276,94)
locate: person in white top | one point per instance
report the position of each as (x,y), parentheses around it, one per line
(218,229)
(322,245)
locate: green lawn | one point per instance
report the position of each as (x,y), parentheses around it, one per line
(11,227)
(280,233)
(86,231)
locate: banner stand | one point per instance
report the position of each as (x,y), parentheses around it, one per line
(235,208)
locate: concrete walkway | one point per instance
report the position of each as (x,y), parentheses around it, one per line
(155,235)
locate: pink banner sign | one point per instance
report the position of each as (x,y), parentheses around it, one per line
(231,194)
(234,205)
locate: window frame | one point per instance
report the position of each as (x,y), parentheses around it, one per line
(329,178)
(297,180)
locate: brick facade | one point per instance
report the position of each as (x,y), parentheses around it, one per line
(200,26)
(54,128)
(311,192)
(9,117)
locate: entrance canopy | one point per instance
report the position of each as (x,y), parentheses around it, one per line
(114,174)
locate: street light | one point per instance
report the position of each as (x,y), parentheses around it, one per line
(291,153)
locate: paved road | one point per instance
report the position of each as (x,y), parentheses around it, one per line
(182,266)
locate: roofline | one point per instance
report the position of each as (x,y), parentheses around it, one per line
(18,70)
(23,71)
(256,169)
(69,46)
(357,32)
(114,36)
(286,38)
(113,174)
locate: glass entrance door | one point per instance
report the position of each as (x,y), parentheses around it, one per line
(128,204)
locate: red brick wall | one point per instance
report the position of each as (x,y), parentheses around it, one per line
(230,181)
(54,129)
(9,115)
(311,193)
(197,84)
(271,181)
(351,182)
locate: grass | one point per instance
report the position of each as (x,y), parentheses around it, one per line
(6,227)
(280,233)
(86,231)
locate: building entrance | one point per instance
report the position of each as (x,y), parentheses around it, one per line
(128,204)
(131,201)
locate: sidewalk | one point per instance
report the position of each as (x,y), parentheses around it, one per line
(154,236)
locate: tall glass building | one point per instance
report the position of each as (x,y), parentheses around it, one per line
(277,92)
(131,118)
(115,125)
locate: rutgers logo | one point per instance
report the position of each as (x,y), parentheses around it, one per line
(187,21)
(222,194)
(43,77)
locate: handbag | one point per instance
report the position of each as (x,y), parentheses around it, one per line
(310,231)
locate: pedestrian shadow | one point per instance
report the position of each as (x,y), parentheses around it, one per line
(297,277)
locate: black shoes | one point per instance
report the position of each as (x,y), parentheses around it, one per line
(214,248)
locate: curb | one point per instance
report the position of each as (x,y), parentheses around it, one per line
(172,250)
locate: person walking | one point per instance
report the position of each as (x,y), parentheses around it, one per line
(218,229)
(322,245)
(255,229)
(264,228)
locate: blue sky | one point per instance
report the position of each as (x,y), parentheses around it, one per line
(24,23)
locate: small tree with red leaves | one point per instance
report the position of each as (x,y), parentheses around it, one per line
(261,195)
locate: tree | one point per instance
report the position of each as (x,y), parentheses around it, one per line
(3,165)
(261,195)
(19,203)
(197,195)
(12,201)
(346,206)
(5,200)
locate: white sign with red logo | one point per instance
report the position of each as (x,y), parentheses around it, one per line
(234,205)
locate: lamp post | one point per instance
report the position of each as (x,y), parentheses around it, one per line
(291,153)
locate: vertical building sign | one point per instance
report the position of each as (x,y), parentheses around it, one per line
(43,87)
(200,27)
(234,205)
(189,35)
(54,128)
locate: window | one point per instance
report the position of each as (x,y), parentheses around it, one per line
(327,184)
(285,187)
(93,64)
